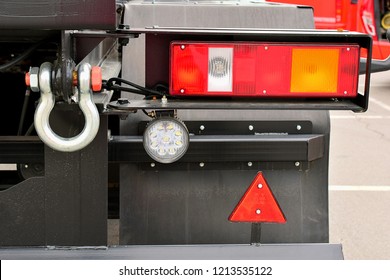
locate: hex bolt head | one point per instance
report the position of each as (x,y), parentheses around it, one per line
(164,100)
(34,79)
(123,101)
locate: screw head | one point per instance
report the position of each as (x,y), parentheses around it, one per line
(251,127)
(258,211)
(201,164)
(260,186)
(202,127)
(250,163)
(152,164)
(299,127)
(297,163)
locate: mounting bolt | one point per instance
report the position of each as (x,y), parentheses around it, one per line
(299,127)
(164,100)
(201,164)
(182,90)
(123,101)
(297,163)
(250,163)
(260,186)
(152,164)
(33,80)
(202,127)
(250,127)
(182,47)
(258,211)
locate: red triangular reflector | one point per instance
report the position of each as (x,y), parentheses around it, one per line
(258,205)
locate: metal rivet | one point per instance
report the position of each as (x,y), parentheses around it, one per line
(250,127)
(348,49)
(266,48)
(152,164)
(250,164)
(345,92)
(258,211)
(264,91)
(182,90)
(182,47)
(201,164)
(297,164)
(202,127)
(260,186)
(299,127)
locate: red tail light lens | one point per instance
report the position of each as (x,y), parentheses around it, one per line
(264,69)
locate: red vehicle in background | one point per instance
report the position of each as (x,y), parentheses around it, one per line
(367,16)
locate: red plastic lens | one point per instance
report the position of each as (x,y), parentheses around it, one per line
(264,69)
(258,205)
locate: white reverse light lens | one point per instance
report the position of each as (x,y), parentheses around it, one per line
(220,69)
(166,140)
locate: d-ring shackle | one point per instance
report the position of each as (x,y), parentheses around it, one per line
(47,102)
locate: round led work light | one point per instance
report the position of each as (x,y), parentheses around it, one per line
(166,139)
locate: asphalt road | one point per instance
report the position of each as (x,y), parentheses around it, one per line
(359,197)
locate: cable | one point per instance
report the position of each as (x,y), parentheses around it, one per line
(119,88)
(24,110)
(20,57)
(136,88)
(30,130)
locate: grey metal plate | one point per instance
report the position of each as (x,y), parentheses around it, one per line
(57,14)
(199,252)
(217,14)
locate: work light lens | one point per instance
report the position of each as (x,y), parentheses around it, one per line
(166,140)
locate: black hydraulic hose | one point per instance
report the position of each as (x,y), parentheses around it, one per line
(30,130)
(137,88)
(20,57)
(24,110)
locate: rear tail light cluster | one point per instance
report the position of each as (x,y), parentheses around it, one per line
(264,69)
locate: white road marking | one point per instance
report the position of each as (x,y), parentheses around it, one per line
(333,117)
(359,188)
(357,116)
(380,103)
